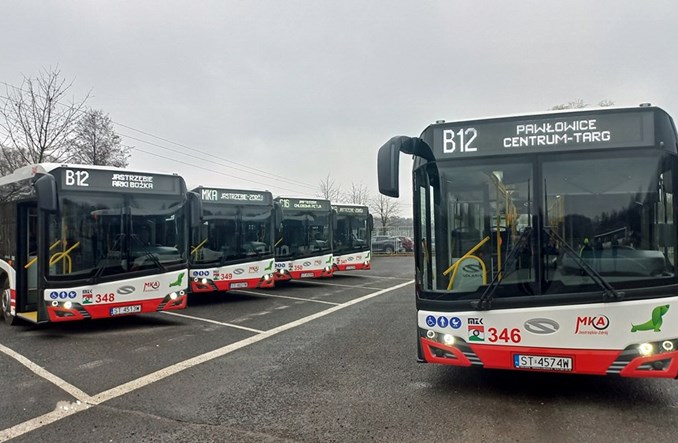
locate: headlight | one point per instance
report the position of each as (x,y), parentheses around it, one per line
(646,349)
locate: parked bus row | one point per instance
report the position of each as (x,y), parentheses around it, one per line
(80,242)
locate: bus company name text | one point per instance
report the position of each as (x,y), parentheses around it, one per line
(557,133)
(131,181)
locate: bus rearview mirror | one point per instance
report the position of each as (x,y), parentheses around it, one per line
(45,187)
(388,161)
(195,209)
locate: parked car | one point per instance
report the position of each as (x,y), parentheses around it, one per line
(407,243)
(387,244)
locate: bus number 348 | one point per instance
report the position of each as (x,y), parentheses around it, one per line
(504,335)
(105,298)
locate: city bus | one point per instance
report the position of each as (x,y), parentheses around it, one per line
(352,237)
(233,246)
(85,242)
(303,246)
(546,242)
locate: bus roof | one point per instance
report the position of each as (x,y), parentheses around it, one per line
(100,178)
(561,131)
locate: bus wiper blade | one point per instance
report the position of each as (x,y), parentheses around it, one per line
(609,292)
(485,301)
(149,254)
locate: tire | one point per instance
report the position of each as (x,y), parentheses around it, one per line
(388,249)
(5,304)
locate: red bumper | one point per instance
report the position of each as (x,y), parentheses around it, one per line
(82,312)
(585,361)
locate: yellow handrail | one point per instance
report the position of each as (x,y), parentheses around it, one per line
(202,243)
(455,265)
(64,255)
(35,259)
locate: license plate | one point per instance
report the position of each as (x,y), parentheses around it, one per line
(542,362)
(349,268)
(126,310)
(239,285)
(306,274)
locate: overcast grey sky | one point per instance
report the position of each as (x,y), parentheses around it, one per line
(300,89)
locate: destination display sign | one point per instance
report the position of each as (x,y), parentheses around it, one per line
(351,210)
(234,196)
(587,130)
(297,203)
(117,181)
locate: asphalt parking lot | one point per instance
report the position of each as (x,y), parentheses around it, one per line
(58,370)
(320,360)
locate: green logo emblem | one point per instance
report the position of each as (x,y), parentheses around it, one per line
(655,323)
(177,282)
(270,266)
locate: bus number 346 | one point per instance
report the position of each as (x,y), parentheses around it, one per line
(504,335)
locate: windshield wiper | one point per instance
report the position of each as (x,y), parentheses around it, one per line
(485,301)
(609,292)
(149,254)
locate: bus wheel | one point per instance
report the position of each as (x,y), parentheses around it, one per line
(5,304)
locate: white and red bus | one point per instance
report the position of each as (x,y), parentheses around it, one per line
(546,242)
(352,237)
(80,242)
(303,247)
(233,247)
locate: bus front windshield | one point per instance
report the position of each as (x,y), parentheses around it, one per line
(588,217)
(351,234)
(304,234)
(103,234)
(232,234)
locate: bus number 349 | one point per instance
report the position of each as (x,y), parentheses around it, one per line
(504,335)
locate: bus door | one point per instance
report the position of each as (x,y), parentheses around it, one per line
(27,291)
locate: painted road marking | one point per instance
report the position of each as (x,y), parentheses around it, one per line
(126,388)
(289,298)
(317,283)
(230,325)
(41,372)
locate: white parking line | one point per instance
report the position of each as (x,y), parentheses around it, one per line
(289,298)
(230,325)
(146,380)
(318,283)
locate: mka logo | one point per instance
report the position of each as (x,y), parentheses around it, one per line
(592,325)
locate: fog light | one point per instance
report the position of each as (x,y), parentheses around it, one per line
(173,295)
(267,277)
(668,346)
(646,349)
(68,305)
(204,281)
(430,334)
(448,339)
(55,303)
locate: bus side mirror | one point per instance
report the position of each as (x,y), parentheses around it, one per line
(388,160)
(45,187)
(278,215)
(370,223)
(335,222)
(195,209)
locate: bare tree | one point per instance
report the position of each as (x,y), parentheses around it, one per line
(385,208)
(329,190)
(358,194)
(39,126)
(96,142)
